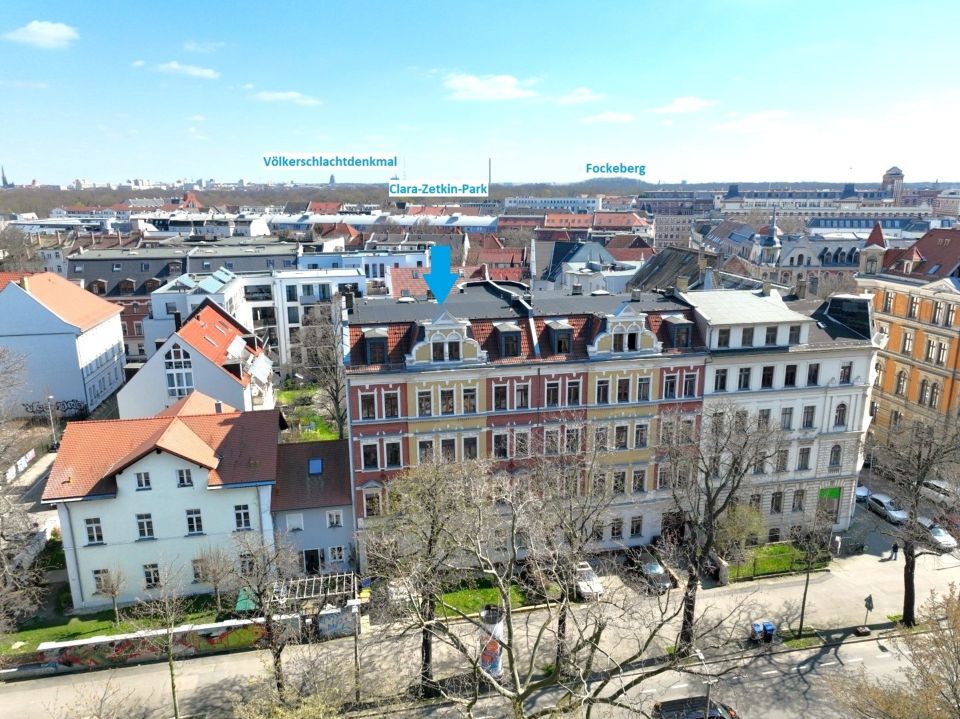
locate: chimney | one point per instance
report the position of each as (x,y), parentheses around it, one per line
(577,289)
(801,288)
(348,300)
(766,288)
(218,407)
(683,284)
(702,263)
(636,294)
(177,321)
(25,284)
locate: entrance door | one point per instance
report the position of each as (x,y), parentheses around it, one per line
(311,561)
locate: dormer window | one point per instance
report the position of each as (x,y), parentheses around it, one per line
(509,334)
(375,345)
(561,336)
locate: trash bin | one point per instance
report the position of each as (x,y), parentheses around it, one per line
(769,631)
(756,631)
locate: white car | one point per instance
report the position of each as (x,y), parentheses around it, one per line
(588,584)
(938,536)
(888,509)
(940,492)
(863,493)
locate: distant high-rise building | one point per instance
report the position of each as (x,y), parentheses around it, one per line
(333,180)
(892,184)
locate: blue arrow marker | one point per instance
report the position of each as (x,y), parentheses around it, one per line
(440,279)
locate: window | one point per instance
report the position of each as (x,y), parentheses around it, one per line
(603,391)
(636,526)
(895,418)
(372,504)
(437,348)
(773,535)
(755,501)
(786,418)
(790,376)
(663,477)
(370,456)
(798,497)
(951,315)
(743,379)
(194,522)
(376,350)
(446,401)
(813,374)
(835,452)
(846,373)
(616,529)
(783,459)
(771,336)
(425,451)
(776,503)
(511,344)
(914,309)
(294,522)
(623,390)
(643,389)
(746,337)
(368,406)
(670,386)
(311,559)
(794,334)
(840,416)
(809,416)
(689,385)
(500,446)
(522,396)
(573,393)
(600,439)
(143,480)
(94,530)
(923,392)
(470,447)
(453,351)
(553,394)
(763,418)
(184,478)
(424,404)
(803,459)
(392,452)
(618,342)
(597,531)
(620,437)
(639,481)
(941,353)
(766,377)
(723,337)
(929,351)
(907,346)
(101,581)
(500,397)
(935,395)
(551,441)
(521,444)
(720,380)
(151,576)
(391,404)
(448,450)
(179,370)
(887,301)
(336,554)
(145,526)
(901,387)
(470,400)
(640,436)
(620,482)
(572,443)
(241,516)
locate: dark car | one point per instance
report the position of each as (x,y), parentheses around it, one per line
(692,708)
(651,571)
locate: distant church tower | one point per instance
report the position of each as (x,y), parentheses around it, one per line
(3,179)
(892,184)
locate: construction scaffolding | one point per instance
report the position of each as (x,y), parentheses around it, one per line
(308,595)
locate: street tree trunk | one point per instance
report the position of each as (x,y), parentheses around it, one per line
(561,659)
(428,687)
(685,640)
(173,677)
(909,585)
(803,602)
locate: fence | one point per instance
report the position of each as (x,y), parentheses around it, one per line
(775,558)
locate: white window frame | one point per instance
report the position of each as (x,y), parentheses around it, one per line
(294,522)
(334,514)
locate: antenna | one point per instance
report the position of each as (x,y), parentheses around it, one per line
(489,174)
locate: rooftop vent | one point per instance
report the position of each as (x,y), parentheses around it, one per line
(577,289)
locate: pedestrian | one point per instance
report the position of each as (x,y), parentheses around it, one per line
(839,540)
(894,550)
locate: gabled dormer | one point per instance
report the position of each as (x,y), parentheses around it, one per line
(445,340)
(626,333)
(508,338)
(560,335)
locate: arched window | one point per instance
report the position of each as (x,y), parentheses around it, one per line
(924,393)
(935,395)
(800,259)
(179,369)
(901,383)
(835,453)
(791,262)
(840,416)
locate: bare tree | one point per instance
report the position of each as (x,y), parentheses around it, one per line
(910,456)
(16,251)
(814,546)
(739,526)
(109,699)
(263,565)
(930,686)
(112,584)
(321,362)
(707,478)
(218,569)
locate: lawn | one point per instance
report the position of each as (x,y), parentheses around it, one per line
(809,639)
(290,396)
(471,600)
(201,610)
(306,425)
(772,559)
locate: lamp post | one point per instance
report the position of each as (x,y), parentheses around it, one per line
(53,427)
(709,682)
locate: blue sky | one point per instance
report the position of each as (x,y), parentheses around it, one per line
(718,90)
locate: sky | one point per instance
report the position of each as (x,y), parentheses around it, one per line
(702,91)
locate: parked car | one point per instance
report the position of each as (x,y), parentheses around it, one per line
(588,584)
(863,493)
(937,535)
(655,576)
(887,508)
(940,492)
(692,708)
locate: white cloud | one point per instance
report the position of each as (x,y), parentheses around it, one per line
(247,86)
(579,95)
(681,105)
(45,35)
(297,98)
(197,118)
(192,70)
(203,45)
(138,63)
(609,118)
(754,122)
(488,87)
(24,84)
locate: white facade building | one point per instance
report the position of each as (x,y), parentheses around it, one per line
(70,343)
(554,204)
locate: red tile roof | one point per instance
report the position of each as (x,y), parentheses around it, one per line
(558,220)
(512,256)
(7,277)
(507,274)
(631,254)
(210,330)
(411,279)
(617,220)
(876,237)
(67,301)
(324,208)
(297,489)
(582,336)
(486,334)
(195,403)
(626,240)
(933,256)
(240,448)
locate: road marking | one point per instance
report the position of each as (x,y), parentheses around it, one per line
(884,655)
(679,686)
(772,671)
(827,664)
(649,691)
(855,659)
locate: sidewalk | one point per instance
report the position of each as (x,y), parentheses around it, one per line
(35,471)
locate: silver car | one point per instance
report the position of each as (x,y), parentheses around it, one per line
(937,535)
(887,508)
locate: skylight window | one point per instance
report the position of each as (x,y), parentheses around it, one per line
(933,270)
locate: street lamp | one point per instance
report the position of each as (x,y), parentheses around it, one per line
(53,426)
(709,682)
